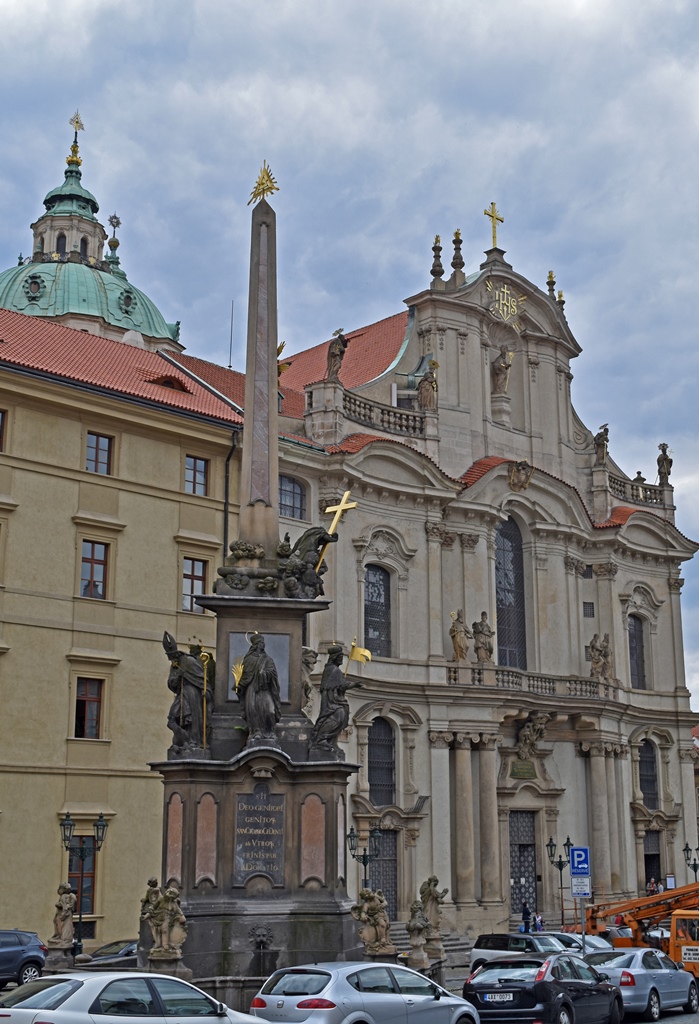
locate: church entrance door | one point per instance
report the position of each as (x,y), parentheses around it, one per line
(383,872)
(523,860)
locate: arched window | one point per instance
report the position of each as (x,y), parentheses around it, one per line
(637,661)
(83,248)
(648,775)
(509,585)
(377,611)
(382,763)
(61,245)
(292,498)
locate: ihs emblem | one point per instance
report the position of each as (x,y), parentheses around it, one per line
(506,306)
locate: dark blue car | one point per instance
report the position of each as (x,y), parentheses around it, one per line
(22,956)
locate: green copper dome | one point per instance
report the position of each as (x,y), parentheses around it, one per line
(57,286)
(69,275)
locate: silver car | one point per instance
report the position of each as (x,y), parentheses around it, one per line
(342,993)
(139,998)
(650,981)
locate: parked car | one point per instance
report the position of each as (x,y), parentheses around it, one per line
(117,954)
(81,998)
(342,993)
(573,940)
(22,956)
(495,944)
(649,980)
(558,988)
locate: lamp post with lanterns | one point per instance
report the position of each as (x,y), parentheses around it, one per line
(372,852)
(560,863)
(99,829)
(692,863)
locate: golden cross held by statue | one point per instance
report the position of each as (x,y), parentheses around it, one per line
(494,218)
(342,506)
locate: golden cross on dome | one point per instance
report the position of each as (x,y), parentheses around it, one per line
(264,186)
(76,122)
(494,218)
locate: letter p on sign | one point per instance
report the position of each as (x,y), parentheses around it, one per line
(580,860)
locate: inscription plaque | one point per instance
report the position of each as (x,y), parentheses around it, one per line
(276,645)
(259,836)
(522,770)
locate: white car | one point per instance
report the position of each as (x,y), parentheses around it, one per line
(80,997)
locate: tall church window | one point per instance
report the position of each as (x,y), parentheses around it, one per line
(83,248)
(509,584)
(61,245)
(377,611)
(292,498)
(382,763)
(636,653)
(648,775)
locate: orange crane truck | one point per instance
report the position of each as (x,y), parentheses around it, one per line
(680,906)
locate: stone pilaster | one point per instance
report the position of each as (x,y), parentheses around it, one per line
(441,805)
(599,806)
(489,833)
(464,815)
(615,852)
(437,536)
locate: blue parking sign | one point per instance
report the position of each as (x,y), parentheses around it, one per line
(579,861)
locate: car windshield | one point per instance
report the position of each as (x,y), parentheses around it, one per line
(503,971)
(611,957)
(111,949)
(42,994)
(296,983)
(548,942)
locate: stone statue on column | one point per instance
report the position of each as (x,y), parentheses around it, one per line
(334,708)
(601,445)
(168,926)
(258,690)
(336,353)
(191,684)
(371,911)
(417,928)
(460,635)
(145,934)
(664,466)
(66,905)
(483,639)
(501,371)
(432,899)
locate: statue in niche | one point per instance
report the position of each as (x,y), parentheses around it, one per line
(601,445)
(501,371)
(334,707)
(168,926)
(258,691)
(596,659)
(531,732)
(193,691)
(301,579)
(427,390)
(66,905)
(309,657)
(483,640)
(664,465)
(417,928)
(336,353)
(460,635)
(371,911)
(432,899)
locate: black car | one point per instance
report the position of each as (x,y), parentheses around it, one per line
(559,988)
(22,956)
(117,954)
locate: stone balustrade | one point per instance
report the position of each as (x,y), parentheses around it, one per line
(530,682)
(626,490)
(383,417)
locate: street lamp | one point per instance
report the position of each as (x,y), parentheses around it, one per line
(561,863)
(99,829)
(367,855)
(693,864)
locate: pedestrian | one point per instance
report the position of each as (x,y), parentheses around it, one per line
(526,916)
(538,923)
(651,888)
(661,887)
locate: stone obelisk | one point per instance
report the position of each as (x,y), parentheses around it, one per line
(259,485)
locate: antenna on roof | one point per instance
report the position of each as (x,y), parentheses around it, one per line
(230,347)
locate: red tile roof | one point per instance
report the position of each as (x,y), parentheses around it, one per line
(481,467)
(230,383)
(619,516)
(50,348)
(370,351)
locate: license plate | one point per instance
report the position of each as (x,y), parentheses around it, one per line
(498,997)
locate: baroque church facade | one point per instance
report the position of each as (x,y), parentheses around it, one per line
(518,591)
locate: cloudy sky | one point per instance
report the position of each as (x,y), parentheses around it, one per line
(386,122)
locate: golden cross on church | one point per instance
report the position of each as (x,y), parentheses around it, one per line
(338,509)
(494,218)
